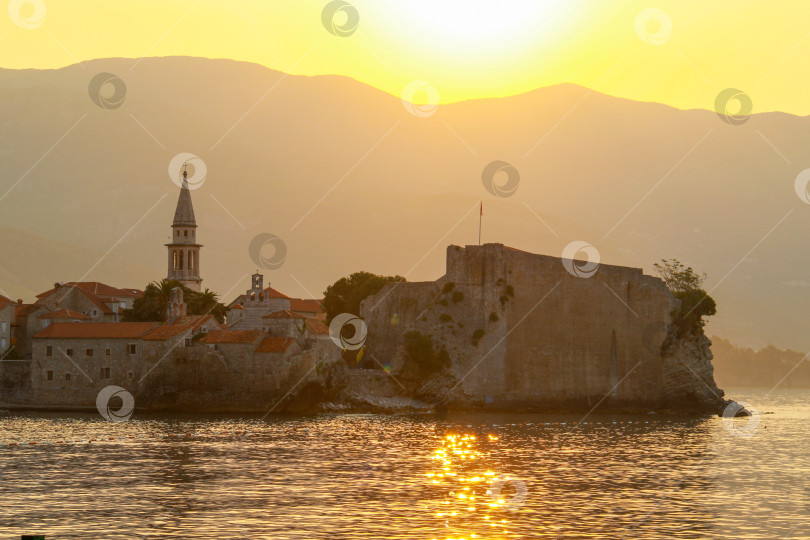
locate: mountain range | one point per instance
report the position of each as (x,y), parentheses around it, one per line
(351,180)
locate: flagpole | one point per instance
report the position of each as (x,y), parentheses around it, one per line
(480,220)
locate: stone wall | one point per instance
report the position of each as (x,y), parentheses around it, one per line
(76,377)
(15,382)
(522,331)
(203,379)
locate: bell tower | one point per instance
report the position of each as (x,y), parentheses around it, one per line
(184,251)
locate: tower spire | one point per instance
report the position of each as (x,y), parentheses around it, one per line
(184,213)
(184,251)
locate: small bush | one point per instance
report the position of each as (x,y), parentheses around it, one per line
(443,302)
(499,282)
(448,287)
(477,335)
(503,299)
(458,296)
(493,317)
(510,291)
(419,349)
(445,317)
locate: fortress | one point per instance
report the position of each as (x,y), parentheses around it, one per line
(513,331)
(521,331)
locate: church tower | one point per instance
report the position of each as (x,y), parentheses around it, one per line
(184,251)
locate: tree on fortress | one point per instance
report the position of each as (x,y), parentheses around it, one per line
(345,295)
(152,306)
(687,286)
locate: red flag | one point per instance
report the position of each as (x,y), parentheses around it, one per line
(482,208)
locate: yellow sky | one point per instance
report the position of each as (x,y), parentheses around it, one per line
(465,49)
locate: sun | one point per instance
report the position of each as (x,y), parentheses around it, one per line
(473,27)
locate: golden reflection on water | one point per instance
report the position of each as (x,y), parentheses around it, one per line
(472,499)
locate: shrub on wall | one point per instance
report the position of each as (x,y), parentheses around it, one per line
(419,349)
(687,286)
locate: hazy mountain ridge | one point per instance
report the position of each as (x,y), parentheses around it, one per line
(599,156)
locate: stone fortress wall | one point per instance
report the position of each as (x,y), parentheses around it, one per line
(545,337)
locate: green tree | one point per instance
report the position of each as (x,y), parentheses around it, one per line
(156,296)
(687,286)
(345,295)
(202,303)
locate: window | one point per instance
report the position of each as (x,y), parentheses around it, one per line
(130,375)
(106,352)
(49,351)
(67,377)
(185,233)
(88,352)
(188,342)
(94,313)
(104,373)
(49,375)
(132,348)
(204,330)
(69,352)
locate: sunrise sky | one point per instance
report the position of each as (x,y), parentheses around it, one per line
(466,49)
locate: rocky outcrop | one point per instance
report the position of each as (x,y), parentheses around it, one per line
(688,375)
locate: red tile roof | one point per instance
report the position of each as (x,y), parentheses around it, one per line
(63,314)
(232,336)
(23,310)
(105,330)
(272,293)
(166,331)
(272,344)
(285,314)
(96,288)
(65,289)
(4,301)
(308,305)
(316,326)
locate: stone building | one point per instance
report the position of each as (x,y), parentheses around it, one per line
(88,301)
(184,251)
(246,310)
(290,324)
(72,361)
(522,330)
(8,315)
(309,308)
(98,301)
(251,310)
